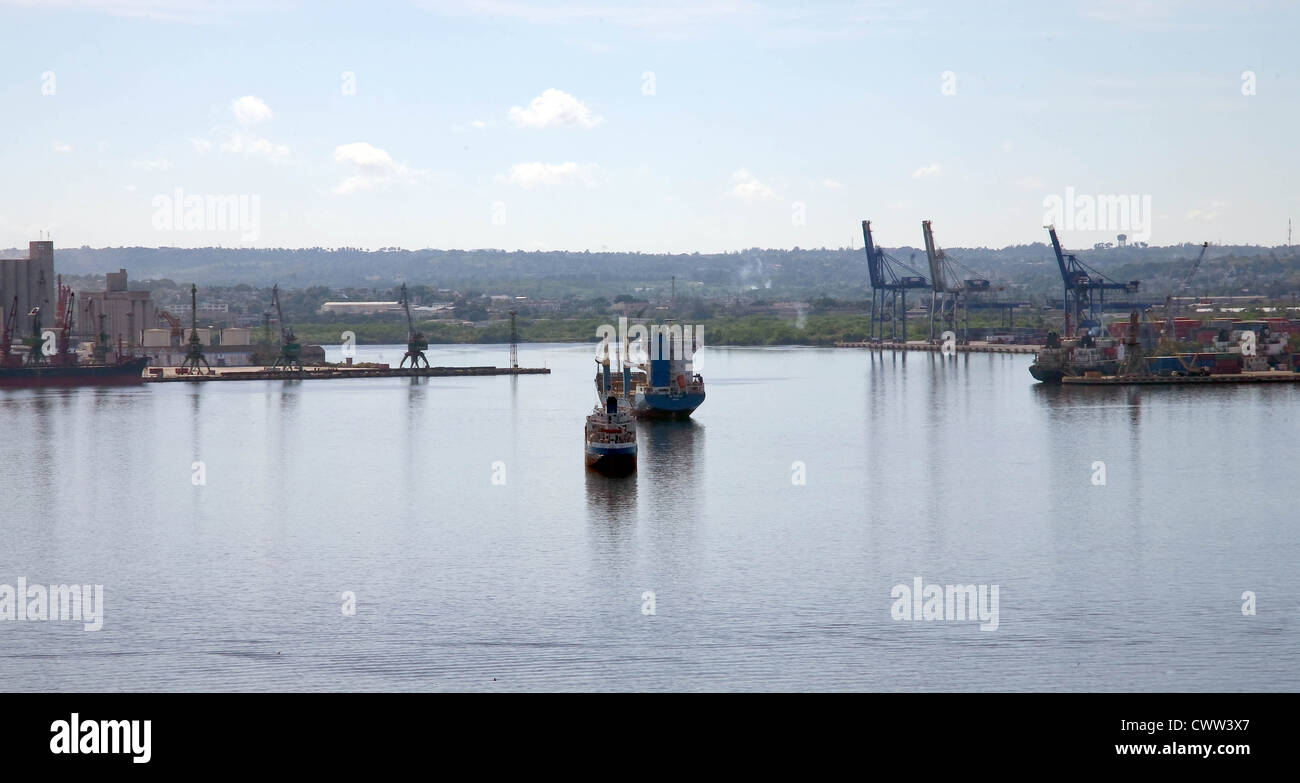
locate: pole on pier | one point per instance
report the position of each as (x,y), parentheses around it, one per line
(514,340)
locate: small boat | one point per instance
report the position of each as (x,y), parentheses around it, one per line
(611,439)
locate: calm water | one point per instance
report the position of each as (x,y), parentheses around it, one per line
(957,471)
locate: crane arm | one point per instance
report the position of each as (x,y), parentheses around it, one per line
(1192,272)
(286,333)
(406,306)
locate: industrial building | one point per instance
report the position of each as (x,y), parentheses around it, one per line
(30,279)
(231,347)
(127,312)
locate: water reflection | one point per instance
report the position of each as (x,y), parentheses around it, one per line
(669,458)
(611,505)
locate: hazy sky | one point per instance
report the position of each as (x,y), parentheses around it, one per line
(655,126)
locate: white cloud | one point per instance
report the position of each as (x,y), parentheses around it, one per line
(375,167)
(554,108)
(244,143)
(362,154)
(60,147)
(1208,214)
(748,187)
(250,110)
(1007,146)
(927,171)
(528,175)
(157,164)
(1030,183)
(833,184)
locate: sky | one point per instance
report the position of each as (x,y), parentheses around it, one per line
(669,126)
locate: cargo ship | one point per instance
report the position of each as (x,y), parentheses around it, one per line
(49,359)
(1248,347)
(611,439)
(666,388)
(1061,358)
(26,374)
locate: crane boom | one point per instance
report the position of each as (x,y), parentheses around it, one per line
(873,260)
(1171,310)
(279,314)
(406,306)
(938,273)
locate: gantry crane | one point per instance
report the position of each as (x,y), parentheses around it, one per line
(888,284)
(949,301)
(1081,282)
(290,349)
(415,342)
(194,349)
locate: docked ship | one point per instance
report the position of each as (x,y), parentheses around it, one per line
(661,387)
(50,361)
(611,439)
(1141,354)
(124,371)
(1060,358)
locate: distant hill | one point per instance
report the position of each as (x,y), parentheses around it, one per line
(1019,271)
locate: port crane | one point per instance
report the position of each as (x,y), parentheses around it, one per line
(888,284)
(415,342)
(63,322)
(1171,309)
(194,350)
(290,349)
(101,339)
(63,314)
(1081,283)
(948,302)
(177,333)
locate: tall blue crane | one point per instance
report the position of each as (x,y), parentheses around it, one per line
(948,302)
(1085,287)
(888,283)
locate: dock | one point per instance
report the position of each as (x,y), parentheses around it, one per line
(333,373)
(924,345)
(1269,376)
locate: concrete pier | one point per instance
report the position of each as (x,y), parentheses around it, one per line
(169,374)
(923,345)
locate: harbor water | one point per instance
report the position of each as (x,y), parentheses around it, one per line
(424,534)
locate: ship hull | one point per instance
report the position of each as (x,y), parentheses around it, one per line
(1053,373)
(1046,374)
(611,459)
(127,372)
(657,405)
